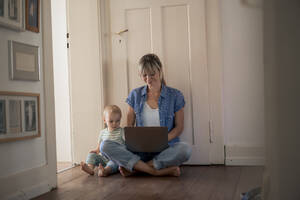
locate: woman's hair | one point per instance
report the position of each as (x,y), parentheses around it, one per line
(112,109)
(151,63)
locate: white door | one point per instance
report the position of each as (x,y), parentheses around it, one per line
(85,77)
(175,31)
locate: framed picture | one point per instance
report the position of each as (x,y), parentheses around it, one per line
(30,115)
(14,110)
(32,15)
(24,61)
(19,116)
(2,116)
(12,14)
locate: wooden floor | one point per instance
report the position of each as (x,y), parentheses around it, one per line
(196,182)
(63,165)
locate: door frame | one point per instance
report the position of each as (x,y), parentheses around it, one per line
(214,67)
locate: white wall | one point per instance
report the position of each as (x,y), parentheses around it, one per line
(61,81)
(243,82)
(28,167)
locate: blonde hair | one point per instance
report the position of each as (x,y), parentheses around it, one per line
(112,109)
(150,63)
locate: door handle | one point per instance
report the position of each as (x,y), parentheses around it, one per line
(123,31)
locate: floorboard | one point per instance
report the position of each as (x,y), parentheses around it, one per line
(250,178)
(63,165)
(196,182)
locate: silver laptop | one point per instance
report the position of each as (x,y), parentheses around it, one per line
(146,139)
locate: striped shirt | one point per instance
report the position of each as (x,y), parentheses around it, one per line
(116,135)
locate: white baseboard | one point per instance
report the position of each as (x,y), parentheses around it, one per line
(30,192)
(244,161)
(244,156)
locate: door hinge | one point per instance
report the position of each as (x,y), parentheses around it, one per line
(68,36)
(210,131)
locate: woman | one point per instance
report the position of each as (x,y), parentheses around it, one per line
(154,104)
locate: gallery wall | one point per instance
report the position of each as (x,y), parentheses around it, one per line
(28,167)
(31,152)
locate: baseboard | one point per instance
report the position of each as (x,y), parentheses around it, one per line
(244,161)
(244,156)
(30,192)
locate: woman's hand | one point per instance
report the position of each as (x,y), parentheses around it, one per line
(179,124)
(130,116)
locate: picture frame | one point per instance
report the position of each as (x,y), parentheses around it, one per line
(32,15)
(24,61)
(12,14)
(19,116)
(2,116)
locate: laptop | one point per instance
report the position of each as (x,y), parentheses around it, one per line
(146,139)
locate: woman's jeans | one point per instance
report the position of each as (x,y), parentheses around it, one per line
(174,155)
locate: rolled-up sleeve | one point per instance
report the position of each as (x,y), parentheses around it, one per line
(179,102)
(130,98)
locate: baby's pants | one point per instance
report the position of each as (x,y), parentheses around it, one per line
(96,159)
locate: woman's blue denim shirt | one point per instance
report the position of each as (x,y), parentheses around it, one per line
(170,101)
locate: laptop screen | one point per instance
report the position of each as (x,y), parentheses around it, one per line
(146,139)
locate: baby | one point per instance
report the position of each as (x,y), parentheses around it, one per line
(112,118)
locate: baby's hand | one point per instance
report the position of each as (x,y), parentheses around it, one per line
(94,151)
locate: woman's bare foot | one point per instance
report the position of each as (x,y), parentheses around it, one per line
(175,171)
(150,163)
(84,167)
(170,171)
(124,172)
(103,171)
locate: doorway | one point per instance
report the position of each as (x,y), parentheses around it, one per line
(178,31)
(61,87)
(77,82)
(93,45)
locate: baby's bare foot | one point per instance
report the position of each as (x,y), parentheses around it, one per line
(103,171)
(124,172)
(84,167)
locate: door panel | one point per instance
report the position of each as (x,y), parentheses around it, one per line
(177,71)
(175,31)
(138,41)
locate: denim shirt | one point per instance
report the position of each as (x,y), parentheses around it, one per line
(170,101)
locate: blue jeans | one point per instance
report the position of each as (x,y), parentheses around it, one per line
(96,159)
(174,155)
